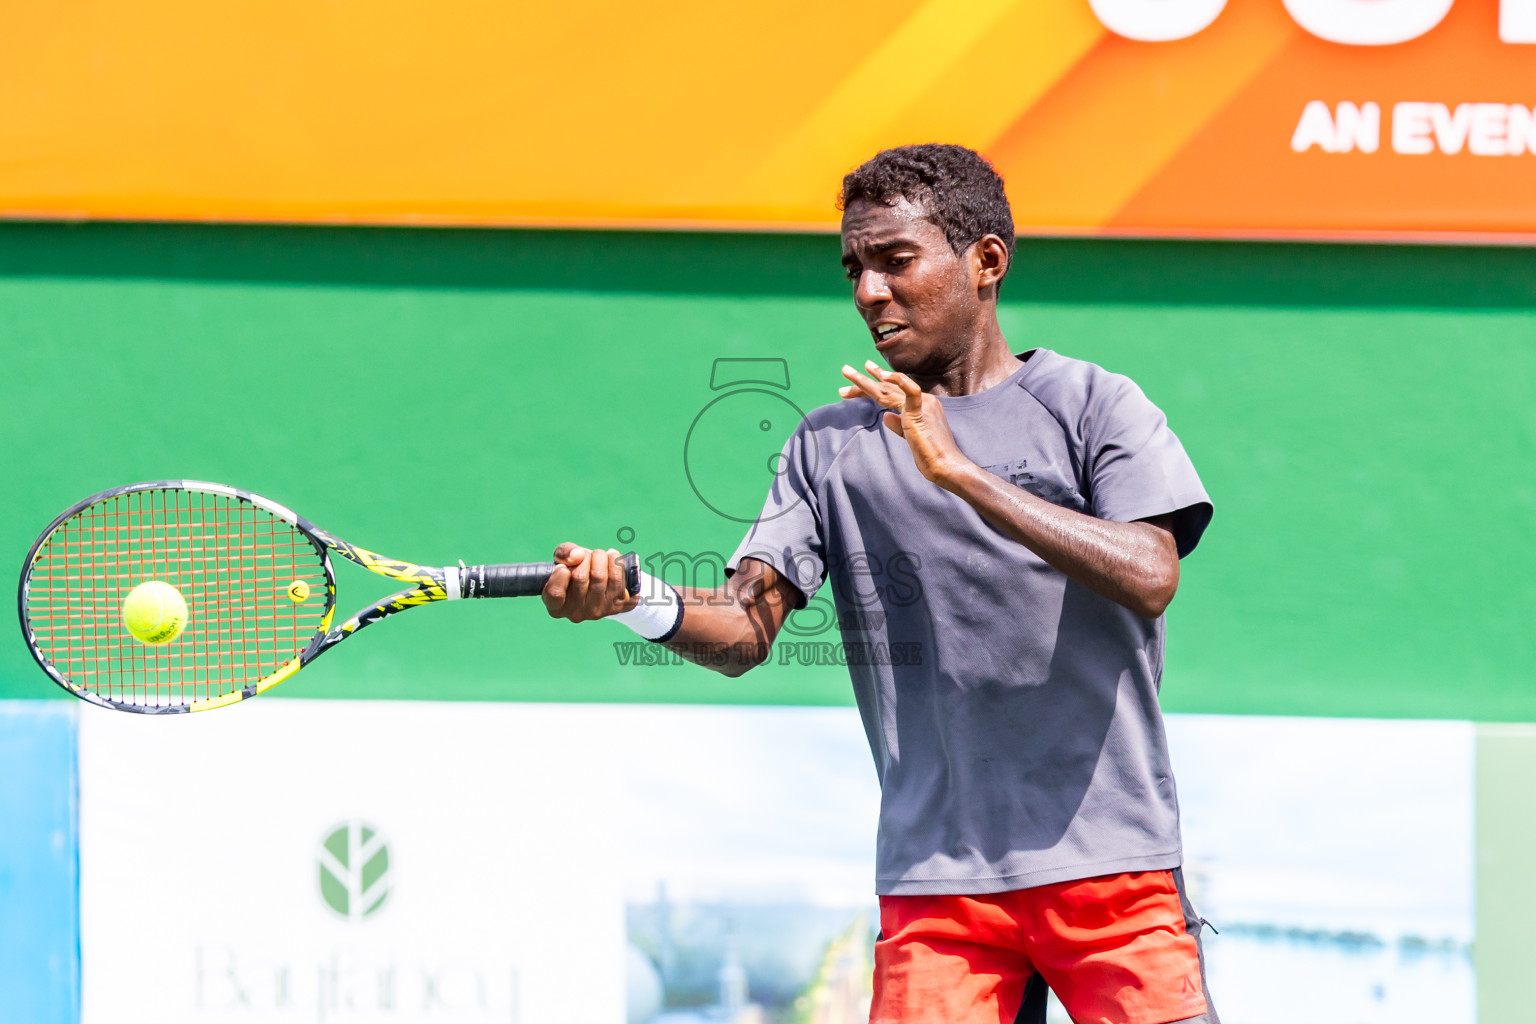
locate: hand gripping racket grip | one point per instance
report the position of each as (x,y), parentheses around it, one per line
(525,579)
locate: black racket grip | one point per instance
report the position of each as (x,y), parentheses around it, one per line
(525,579)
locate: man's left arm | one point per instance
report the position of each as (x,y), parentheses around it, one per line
(1134,564)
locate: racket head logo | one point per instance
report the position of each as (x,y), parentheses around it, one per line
(354,870)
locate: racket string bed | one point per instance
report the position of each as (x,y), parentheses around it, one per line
(233,563)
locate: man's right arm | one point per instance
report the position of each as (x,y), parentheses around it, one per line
(728,629)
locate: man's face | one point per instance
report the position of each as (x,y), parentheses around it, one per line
(916,295)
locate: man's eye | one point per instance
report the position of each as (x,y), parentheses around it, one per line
(851,273)
(899,261)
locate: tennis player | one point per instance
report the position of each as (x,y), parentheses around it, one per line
(1002,532)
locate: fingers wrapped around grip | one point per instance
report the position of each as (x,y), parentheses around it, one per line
(590,583)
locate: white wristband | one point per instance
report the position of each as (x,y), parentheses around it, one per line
(659,613)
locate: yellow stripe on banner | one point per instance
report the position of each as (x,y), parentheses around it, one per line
(1124,111)
(1002,75)
(861,113)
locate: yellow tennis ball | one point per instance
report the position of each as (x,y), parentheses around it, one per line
(154,612)
(298,591)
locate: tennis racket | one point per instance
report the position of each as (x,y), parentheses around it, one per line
(256,578)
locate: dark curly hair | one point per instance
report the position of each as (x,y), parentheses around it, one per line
(957,187)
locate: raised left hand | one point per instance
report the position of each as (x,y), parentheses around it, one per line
(912,414)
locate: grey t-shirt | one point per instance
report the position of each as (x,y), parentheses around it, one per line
(1012,713)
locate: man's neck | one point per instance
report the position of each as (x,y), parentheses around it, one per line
(986,362)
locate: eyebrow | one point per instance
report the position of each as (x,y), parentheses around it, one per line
(876,250)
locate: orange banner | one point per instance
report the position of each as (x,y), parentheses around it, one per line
(1258,118)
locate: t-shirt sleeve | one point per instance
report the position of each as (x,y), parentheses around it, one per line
(788,533)
(1137,468)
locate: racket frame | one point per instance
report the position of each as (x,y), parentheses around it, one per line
(428,584)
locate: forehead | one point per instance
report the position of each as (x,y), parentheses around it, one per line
(868,225)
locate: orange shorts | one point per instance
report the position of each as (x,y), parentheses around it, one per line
(1122,949)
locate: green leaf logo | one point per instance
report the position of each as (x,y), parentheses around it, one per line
(354,870)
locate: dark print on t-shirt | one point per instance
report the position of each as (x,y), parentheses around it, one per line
(1051,486)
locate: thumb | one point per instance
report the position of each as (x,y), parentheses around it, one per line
(571,554)
(893,424)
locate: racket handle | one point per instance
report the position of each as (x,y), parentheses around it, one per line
(525,579)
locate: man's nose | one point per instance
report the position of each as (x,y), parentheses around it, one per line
(870,290)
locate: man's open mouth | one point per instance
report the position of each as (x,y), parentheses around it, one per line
(885,332)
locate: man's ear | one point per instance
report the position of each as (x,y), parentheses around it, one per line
(989,261)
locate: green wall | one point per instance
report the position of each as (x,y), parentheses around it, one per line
(1361,415)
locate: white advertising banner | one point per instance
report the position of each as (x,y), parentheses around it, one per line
(348,861)
(315,862)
